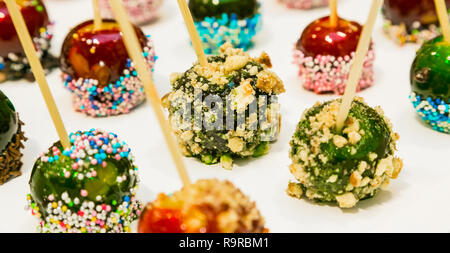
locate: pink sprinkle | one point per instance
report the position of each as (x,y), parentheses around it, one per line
(67,174)
(104,164)
(94,173)
(84,193)
(94,161)
(75,166)
(108,208)
(117,157)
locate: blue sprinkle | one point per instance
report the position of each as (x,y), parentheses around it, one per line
(238,32)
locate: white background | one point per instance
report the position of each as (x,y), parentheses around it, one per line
(418,201)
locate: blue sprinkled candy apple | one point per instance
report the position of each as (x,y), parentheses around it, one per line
(430,81)
(221,21)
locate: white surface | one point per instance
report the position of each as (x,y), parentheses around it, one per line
(417,201)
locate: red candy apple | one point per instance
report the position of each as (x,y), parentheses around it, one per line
(35,16)
(96,54)
(155,220)
(321,38)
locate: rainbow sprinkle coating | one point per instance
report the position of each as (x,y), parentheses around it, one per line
(89,188)
(304,4)
(401,36)
(140,11)
(15,66)
(215,32)
(114,99)
(435,112)
(328,74)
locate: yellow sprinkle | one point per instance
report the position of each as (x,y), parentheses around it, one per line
(64,208)
(93,219)
(83,230)
(75,36)
(92,50)
(54,205)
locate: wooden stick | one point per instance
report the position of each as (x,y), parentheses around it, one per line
(334,19)
(97,15)
(135,51)
(443,18)
(195,38)
(38,71)
(357,66)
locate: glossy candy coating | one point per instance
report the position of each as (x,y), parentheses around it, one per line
(8,121)
(166,218)
(35,16)
(201,9)
(320,38)
(430,71)
(347,166)
(410,11)
(99,55)
(376,139)
(50,178)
